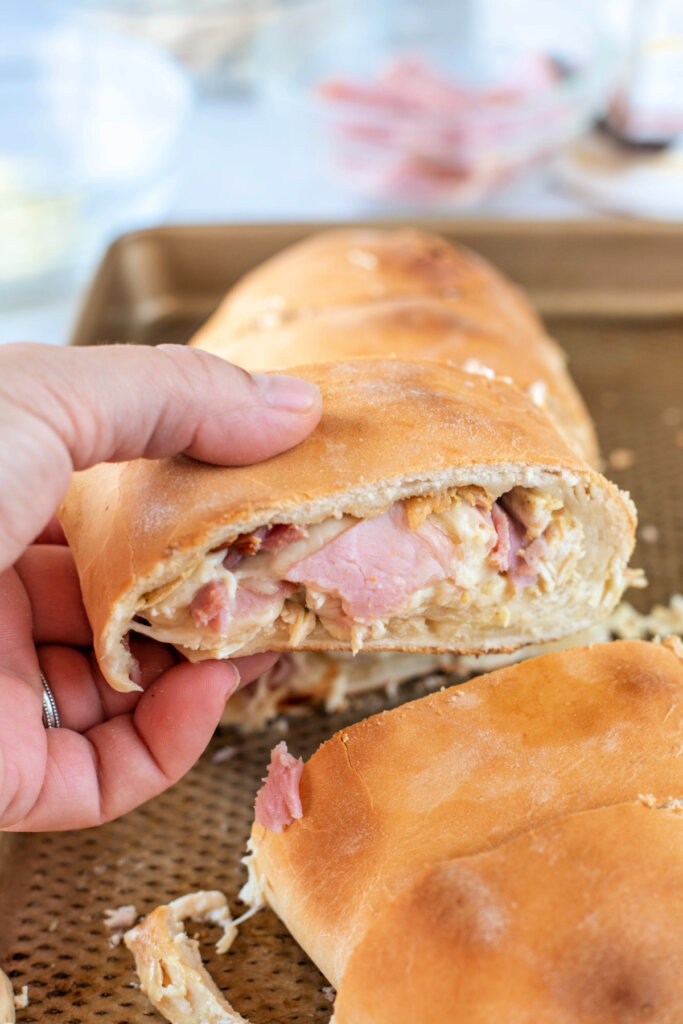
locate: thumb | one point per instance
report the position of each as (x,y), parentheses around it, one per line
(67,409)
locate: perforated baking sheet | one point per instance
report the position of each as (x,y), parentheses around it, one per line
(611,295)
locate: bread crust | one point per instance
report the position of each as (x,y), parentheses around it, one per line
(576,922)
(462,771)
(390,429)
(401,293)
(360,266)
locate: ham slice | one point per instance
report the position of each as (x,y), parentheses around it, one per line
(213,609)
(423,134)
(232,559)
(266,538)
(209,606)
(278,802)
(250,543)
(280,536)
(376,565)
(532,556)
(412,86)
(509,540)
(510,555)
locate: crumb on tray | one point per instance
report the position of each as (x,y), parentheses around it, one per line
(622,458)
(21,1001)
(649,533)
(121,917)
(223,754)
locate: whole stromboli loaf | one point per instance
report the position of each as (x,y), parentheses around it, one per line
(403,293)
(431,510)
(507,850)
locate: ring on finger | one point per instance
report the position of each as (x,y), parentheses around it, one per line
(50,712)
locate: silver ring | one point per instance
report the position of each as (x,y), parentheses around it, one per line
(50,713)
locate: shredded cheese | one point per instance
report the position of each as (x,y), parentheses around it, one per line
(169,965)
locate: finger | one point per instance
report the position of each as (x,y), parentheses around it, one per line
(23,745)
(83,697)
(152,657)
(51,581)
(17,652)
(68,409)
(253,666)
(72,679)
(130,759)
(52,534)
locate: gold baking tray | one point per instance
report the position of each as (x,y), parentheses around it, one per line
(613,295)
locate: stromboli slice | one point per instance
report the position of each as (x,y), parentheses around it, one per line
(459,772)
(400,293)
(431,510)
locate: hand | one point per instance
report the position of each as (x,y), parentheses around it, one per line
(62,410)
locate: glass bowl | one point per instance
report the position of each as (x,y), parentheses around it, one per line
(438,103)
(89,125)
(213,39)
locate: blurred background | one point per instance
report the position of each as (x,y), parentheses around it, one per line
(121,114)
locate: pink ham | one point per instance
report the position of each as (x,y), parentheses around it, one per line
(509,554)
(426,135)
(280,536)
(250,543)
(510,539)
(377,564)
(278,802)
(266,538)
(211,607)
(411,86)
(532,556)
(232,559)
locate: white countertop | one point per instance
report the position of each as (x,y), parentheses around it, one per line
(240,163)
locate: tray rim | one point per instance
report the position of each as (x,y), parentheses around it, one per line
(568,301)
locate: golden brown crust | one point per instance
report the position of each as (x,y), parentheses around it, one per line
(576,922)
(359,266)
(390,429)
(404,294)
(463,770)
